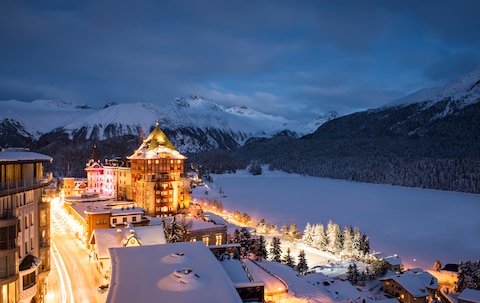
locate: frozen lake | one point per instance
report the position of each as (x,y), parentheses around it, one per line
(419,225)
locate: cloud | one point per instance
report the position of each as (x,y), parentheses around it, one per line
(297,59)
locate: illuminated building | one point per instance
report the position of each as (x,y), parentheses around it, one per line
(95,176)
(152,177)
(24,226)
(411,286)
(157,170)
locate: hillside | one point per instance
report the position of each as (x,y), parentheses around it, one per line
(67,131)
(430,142)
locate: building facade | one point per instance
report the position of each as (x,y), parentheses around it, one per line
(153,177)
(157,170)
(24,226)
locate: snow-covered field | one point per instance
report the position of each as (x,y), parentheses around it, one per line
(419,225)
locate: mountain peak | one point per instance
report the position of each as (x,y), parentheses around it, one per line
(465,88)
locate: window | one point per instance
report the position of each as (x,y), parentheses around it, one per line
(206,239)
(114,220)
(29,280)
(124,219)
(218,239)
(134,219)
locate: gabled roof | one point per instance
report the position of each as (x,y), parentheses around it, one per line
(416,283)
(155,146)
(105,238)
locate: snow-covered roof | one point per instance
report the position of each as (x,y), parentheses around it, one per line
(391,259)
(176,272)
(471,295)
(105,238)
(415,282)
(22,155)
(105,207)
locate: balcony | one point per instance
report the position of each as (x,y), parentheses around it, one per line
(17,186)
(6,214)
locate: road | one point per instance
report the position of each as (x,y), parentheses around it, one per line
(73,277)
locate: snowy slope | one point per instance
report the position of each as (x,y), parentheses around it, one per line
(43,116)
(465,88)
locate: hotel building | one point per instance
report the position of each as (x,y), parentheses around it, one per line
(24,226)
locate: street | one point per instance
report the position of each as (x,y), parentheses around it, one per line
(73,277)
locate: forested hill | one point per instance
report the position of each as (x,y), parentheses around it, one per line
(429,144)
(404,145)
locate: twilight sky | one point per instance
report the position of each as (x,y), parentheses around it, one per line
(297,59)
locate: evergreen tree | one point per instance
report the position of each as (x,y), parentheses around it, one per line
(293,232)
(308,234)
(275,250)
(302,266)
(255,168)
(285,231)
(245,242)
(288,260)
(461,278)
(262,227)
(174,232)
(334,237)
(260,248)
(236,236)
(348,241)
(357,242)
(352,273)
(364,245)
(379,267)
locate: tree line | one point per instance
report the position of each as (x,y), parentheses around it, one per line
(347,243)
(468,275)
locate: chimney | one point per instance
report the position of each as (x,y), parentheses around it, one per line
(119,234)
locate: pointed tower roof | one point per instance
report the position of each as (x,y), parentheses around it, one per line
(156,145)
(94,155)
(157,138)
(94,161)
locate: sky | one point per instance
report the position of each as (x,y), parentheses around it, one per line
(297,59)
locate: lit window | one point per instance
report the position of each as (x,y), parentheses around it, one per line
(218,239)
(206,240)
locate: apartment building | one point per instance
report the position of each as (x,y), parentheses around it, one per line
(24,226)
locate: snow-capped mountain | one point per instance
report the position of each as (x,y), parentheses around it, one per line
(193,124)
(430,139)
(465,87)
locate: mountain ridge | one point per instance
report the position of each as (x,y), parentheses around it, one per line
(416,141)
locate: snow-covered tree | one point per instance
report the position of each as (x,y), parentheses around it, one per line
(320,239)
(365,245)
(352,273)
(275,250)
(262,227)
(308,234)
(288,260)
(260,248)
(245,242)
(293,232)
(173,232)
(334,237)
(302,266)
(347,241)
